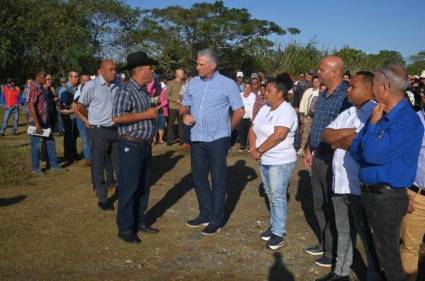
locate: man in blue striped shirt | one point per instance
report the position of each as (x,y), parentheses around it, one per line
(206,108)
(136,128)
(387,149)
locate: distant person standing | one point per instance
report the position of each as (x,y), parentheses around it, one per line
(82,122)
(206,106)
(66,96)
(37,115)
(239,80)
(173,95)
(248,99)
(11,96)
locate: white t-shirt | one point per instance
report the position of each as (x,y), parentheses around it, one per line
(345,168)
(264,124)
(248,103)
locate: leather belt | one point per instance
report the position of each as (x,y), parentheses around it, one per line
(134,139)
(417,189)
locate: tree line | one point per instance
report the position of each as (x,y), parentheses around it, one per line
(60,35)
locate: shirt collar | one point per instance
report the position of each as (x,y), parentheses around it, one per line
(401,105)
(138,86)
(101,80)
(215,74)
(69,85)
(339,90)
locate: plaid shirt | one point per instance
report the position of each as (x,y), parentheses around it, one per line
(327,109)
(35,94)
(259,102)
(132,98)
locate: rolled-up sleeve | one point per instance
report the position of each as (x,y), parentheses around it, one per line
(87,94)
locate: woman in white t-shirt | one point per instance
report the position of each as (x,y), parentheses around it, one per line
(271,139)
(248,99)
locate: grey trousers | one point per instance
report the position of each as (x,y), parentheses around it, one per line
(350,220)
(321,183)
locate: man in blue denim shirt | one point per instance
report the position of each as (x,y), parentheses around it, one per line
(208,98)
(387,149)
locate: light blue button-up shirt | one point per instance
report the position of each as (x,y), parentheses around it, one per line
(210,101)
(98,97)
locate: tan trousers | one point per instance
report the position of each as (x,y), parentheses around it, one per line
(412,233)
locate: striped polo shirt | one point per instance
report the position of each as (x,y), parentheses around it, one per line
(132,98)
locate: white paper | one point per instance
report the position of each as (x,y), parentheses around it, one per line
(32,131)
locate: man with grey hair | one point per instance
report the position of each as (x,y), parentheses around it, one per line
(205,107)
(387,149)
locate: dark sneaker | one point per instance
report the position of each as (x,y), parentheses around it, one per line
(266,234)
(332,276)
(315,251)
(211,230)
(275,242)
(197,222)
(131,238)
(324,261)
(106,206)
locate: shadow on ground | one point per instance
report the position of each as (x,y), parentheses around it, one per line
(4,202)
(278,271)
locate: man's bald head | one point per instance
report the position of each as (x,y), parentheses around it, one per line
(107,70)
(331,71)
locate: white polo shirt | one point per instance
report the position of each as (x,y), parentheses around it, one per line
(345,168)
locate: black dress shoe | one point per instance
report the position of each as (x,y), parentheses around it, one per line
(106,206)
(129,238)
(146,228)
(332,276)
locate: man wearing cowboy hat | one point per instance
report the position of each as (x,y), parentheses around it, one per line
(136,128)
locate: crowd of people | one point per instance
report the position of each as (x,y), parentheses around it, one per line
(359,134)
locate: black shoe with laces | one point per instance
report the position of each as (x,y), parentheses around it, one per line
(266,234)
(211,230)
(197,222)
(324,261)
(275,242)
(315,250)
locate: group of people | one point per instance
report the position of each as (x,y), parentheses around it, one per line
(359,135)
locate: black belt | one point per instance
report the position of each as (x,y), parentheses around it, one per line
(375,187)
(134,139)
(417,189)
(104,127)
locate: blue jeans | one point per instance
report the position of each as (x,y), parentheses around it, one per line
(84,134)
(134,180)
(276,179)
(210,157)
(6,115)
(35,152)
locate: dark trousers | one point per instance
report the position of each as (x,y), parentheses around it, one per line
(70,137)
(321,183)
(173,114)
(134,180)
(210,157)
(104,143)
(243,129)
(384,210)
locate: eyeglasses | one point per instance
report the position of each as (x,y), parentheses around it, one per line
(386,77)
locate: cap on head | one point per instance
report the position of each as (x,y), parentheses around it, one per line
(139,59)
(239,74)
(254,76)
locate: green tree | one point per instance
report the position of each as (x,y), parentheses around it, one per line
(175,34)
(375,61)
(354,60)
(417,63)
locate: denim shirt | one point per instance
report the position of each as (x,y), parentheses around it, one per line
(388,150)
(210,101)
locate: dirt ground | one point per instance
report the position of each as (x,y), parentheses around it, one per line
(52,229)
